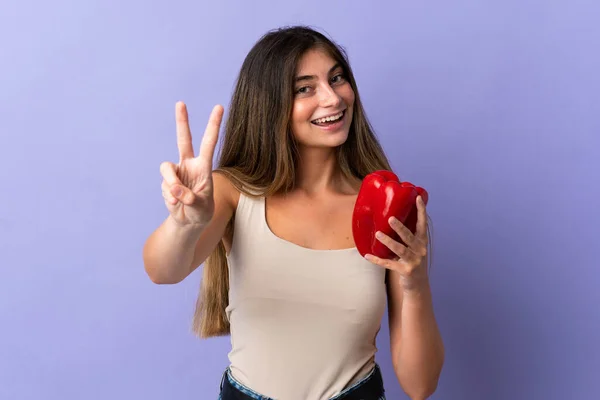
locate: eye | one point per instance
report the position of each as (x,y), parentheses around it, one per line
(338,78)
(303,89)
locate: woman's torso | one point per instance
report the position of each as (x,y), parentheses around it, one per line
(304,306)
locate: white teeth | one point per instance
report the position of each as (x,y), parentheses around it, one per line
(329,119)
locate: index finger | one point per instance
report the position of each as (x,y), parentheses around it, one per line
(184,136)
(209,140)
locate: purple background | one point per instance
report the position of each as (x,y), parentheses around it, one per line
(492,106)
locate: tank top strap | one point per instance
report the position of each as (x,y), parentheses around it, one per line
(250,218)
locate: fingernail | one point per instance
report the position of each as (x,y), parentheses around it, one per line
(392,220)
(178,191)
(378,235)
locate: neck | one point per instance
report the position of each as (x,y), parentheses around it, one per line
(318,172)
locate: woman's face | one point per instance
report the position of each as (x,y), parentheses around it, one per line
(323,101)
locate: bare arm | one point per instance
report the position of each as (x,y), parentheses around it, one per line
(416,343)
(173,251)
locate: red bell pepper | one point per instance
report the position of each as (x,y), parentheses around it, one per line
(381,196)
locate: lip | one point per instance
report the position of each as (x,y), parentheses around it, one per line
(333,127)
(332,114)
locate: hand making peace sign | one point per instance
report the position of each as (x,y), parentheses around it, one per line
(187,187)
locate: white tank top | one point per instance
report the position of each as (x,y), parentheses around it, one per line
(303,321)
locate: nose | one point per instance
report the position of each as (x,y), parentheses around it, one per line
(329,97)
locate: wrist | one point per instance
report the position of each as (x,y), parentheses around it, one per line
(416,282)
(417,292)
(186,229)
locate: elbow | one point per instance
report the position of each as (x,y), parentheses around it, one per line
(423,392)
(430,386)
(159,277)
(422,387)
(156,271)
(420,391)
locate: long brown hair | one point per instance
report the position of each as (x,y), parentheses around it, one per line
(258,153)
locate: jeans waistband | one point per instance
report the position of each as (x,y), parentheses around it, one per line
(373,379)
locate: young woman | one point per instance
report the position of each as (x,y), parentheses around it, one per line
(273,222)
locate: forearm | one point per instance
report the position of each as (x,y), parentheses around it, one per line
(421,354)
(169,251)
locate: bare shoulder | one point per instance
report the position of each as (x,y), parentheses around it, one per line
(226,197)
(225,192)
(216,230)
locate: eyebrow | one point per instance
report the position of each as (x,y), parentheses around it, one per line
(309,77)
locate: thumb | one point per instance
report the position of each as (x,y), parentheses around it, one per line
(183,194)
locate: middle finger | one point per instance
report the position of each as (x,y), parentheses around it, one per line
(398,248)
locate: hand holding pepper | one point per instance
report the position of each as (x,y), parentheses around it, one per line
(410,257)
(390,225)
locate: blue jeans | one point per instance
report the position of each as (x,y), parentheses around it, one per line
(368,388)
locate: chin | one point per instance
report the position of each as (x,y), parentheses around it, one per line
(339,140)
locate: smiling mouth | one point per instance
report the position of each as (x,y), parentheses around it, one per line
(329,120)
